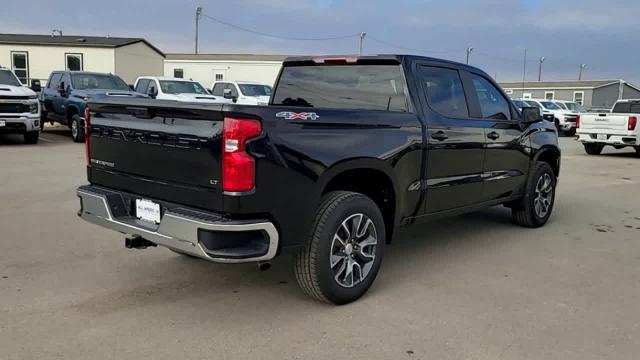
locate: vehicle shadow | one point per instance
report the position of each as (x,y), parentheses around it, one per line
(179,279)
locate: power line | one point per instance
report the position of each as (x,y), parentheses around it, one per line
(238,27)
(411,49)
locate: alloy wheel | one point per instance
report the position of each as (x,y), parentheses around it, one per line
(543,195)
(353,250)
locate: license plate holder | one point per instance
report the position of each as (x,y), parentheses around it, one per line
(148,210)
(601,137)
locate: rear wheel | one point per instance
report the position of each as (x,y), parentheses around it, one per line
(535,208)
(637,149)
(31,137)
(342,257)
(593,149)
(77,128)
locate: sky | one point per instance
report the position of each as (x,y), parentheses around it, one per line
(603,35)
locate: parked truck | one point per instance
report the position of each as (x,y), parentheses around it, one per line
(19,107)
(618,128)
(349,150)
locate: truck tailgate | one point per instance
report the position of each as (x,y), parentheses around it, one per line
(606,122)
(161,149)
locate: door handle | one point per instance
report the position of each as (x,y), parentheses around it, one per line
(440,136)
(493,135)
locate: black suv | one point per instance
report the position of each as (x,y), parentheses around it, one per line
(347,151)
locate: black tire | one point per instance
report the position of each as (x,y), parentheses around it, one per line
(637,149)
(42,121)
(31,137)
(593,149)
(570,132)
(77,128)
(313,268)
(526,212)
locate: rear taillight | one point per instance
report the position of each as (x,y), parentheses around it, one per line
(238,167)
(633,122)
(87,135)
(577,121)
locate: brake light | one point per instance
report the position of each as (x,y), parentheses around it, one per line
(238,167)
(577,121)
(336,60)
(633,121)
(87,133)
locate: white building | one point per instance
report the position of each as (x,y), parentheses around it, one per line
(36,56)
(207,68)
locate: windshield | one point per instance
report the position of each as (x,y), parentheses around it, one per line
(98,81)
(563,106)
(255,90)
(574,107)
(550,106)
(534,104)
(7,78)
(182,87)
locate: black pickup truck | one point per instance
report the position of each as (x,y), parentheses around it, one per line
(347,151)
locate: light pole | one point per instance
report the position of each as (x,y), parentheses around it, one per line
(362,35)
(582,66)
(198,14)
(542,58)
(469,51)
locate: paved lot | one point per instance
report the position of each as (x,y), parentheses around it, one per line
(470,287)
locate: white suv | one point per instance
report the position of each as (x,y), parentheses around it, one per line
(242,92)
(164,88)
(19,108)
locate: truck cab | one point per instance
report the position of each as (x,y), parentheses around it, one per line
(165,88)
(242,92)
(65,97)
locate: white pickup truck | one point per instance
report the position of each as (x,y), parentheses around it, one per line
(618,128)
(19,108)
(163,88)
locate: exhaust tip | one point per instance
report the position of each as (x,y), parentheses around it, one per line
(264,266)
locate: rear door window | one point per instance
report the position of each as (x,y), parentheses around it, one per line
(362,87)
(445,93)
(492,104)
(627,108)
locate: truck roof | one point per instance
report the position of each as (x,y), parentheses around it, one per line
(382,58)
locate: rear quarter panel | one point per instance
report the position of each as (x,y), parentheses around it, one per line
(297,158)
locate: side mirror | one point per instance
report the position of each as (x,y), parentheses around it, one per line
(62,89)
(531,115)
(35,85)
(152,92)
(228,95)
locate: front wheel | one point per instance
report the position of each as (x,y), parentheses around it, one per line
(593,149)
(570,132)
(77,128)
(535,208)
(343,254)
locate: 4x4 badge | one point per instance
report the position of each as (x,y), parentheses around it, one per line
(288,115)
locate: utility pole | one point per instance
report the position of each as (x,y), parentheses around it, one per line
(198,14)
(524,70)
(582,66)
(469,50)
(362,35)
(542,58)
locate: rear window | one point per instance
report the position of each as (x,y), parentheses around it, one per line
(627,108)
(364,87)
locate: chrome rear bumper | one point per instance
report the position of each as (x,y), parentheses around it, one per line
(179,228)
